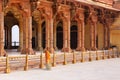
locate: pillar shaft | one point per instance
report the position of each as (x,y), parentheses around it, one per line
(55,36)
(29,23)
(2,51)
(9,37)
(79,37)
(83,36)
(27,47)
(66,36)
(81,31)
(49,34)
(92,36)
(39,36)
(106,38)
(95,35)
(20,37)
(69,49)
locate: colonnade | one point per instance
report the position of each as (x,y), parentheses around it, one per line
(44,13)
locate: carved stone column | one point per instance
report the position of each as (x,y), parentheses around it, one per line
(51,36)
(80,21)
(46,9)
(27,47)
(66,35)
(107,37)
(20,37)
(39,36)
(47,37)
(93,22)
(79,37)
(9,37)
(65,46)
(55,36)
(2,51)
(69,49)
(93,36)
(29,23)
(83,36)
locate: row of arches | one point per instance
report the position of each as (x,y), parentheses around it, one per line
(11,19)
(59,36)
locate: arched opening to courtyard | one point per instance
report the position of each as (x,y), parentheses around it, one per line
(73,36)
(15,37)
(11,31)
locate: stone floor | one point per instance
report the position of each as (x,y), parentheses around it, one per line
(108,69)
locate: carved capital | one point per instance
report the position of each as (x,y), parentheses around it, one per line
(36,15)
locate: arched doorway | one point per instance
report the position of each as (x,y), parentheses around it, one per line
(73,37)
(15,37)
(11,31)
(43,34)
(59,35)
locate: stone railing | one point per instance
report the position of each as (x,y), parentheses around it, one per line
(25,62)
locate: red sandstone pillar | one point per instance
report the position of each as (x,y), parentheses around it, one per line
(106,37)
(47,35)
(83,36)
(92,36)
(29,23)
(27,47)
(55,36)
(51,36)
(39,36)
(65,46)
(95,35)
(79,37)
(66,35)
(20,37)
(68,39)
(9,37)
(2,51)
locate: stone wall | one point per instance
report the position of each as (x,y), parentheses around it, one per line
(115,38)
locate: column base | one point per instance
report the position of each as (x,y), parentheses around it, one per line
(39,48)
(55,48)
(94,48)
(66,50)
(80,49)
(3,53)
(19,49)
(28,51)
(51,50)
